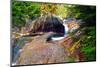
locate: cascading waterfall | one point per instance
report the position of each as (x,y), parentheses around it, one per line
(65,34)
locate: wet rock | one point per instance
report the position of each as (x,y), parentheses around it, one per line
(39,51)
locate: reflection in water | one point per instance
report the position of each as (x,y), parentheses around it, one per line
(17,46)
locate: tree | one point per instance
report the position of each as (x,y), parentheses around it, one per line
(23,11)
